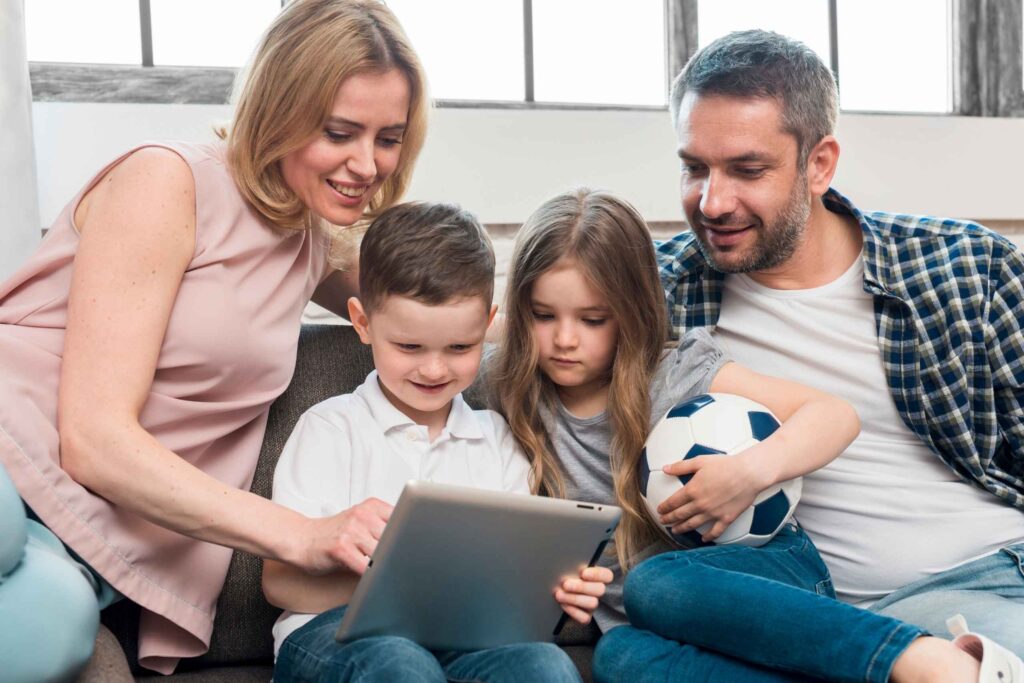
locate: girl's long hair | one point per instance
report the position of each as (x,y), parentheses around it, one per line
(611,245)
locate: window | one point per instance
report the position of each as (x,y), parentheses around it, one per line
(900,64)
(471,50)
(561,51)
(53,31)
(208,32)
(592,51)
(804,20)
(926,56)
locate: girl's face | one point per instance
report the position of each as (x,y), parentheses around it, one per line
(338,172)
(575,332)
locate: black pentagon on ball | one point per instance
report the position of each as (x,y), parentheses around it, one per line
(762,425)
(690,406)
(645,473)
(695,450)
(768,513)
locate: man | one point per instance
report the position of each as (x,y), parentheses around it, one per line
(916,321)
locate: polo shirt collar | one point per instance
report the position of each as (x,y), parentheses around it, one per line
(462,423)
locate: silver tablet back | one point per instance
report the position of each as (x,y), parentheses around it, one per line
(459,568)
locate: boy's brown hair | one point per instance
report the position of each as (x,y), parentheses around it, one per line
(426,251)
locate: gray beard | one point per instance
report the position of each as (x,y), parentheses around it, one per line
(776,243)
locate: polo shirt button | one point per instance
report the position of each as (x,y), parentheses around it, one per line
(411,436)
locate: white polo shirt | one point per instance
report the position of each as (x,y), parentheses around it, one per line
(358,446)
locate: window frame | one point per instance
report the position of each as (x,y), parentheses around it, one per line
(148,83)
(986,47)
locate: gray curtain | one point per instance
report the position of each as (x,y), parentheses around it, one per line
(19,203)
(987,57)
(682,34)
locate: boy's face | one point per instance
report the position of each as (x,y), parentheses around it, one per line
(424,354)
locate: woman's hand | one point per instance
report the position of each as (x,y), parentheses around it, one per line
(578,596)
(722,487)
(347,539)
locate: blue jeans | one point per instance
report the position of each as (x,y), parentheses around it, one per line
(49,601)
(312,654)
(989,592)
(732,613)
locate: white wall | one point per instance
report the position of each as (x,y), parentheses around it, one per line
(502,163)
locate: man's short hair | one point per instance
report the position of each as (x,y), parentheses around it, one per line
(432,253)
(765,64)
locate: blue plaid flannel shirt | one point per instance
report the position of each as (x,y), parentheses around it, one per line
(949,310)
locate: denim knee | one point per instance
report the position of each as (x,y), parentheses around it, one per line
(391,658)
(536,662)
(613,655)
(368,660)
(642,592)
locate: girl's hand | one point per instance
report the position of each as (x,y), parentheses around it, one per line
(722,487)
(579,596)
(347,539)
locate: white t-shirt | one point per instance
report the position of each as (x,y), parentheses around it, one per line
(358,446)
(887,511)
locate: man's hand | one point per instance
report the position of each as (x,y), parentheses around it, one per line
(722,487)
(579,595)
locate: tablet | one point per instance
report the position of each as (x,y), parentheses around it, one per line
(461,568)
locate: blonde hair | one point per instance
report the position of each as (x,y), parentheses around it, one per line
(286,92)
(611,245)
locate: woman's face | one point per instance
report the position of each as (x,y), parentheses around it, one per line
(338,171)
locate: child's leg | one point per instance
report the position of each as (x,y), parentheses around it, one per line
(771,607)
(631,654)
(540,662)
(312,654)
(49,613)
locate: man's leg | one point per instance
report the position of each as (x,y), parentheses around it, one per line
(312,654)
(540,662)
(771,607)
(989,592)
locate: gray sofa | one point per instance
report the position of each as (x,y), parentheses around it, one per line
(331,360)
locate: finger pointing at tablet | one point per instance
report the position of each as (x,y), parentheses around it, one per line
(349,538)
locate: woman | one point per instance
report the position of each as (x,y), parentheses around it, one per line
(143,343)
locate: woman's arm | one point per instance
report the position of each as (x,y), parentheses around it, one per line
(335,291)
(290,588)
(816,428)
(295,589)
(137,238)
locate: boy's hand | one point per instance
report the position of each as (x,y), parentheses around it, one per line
(722,487)
(579,596)
(347,539)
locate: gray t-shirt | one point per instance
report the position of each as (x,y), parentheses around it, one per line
(583,444)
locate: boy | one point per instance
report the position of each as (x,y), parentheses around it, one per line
(426,279)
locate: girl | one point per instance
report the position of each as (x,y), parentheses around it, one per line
(584,373)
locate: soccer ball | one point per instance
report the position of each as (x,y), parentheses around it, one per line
(710,424)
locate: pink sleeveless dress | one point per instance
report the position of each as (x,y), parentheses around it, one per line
(229,351)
